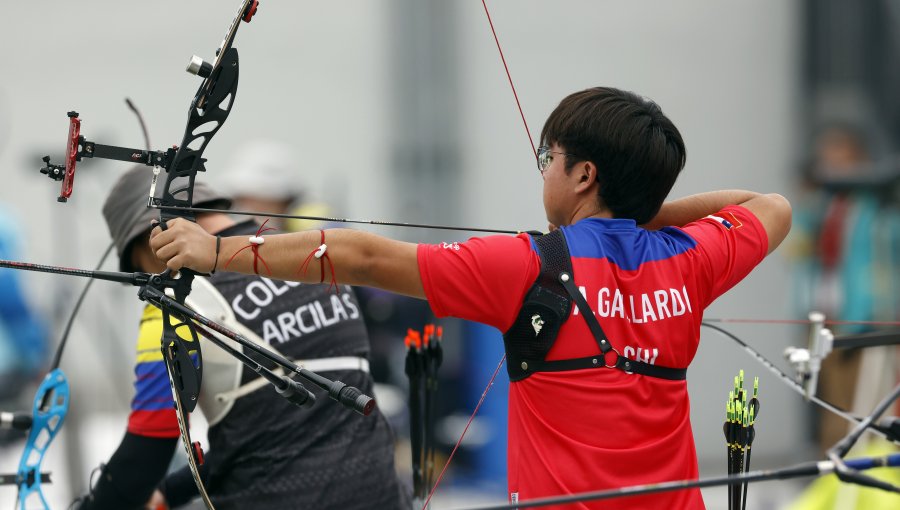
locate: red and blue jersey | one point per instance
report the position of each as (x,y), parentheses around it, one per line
(596,429)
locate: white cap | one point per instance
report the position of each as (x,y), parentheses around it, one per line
(263,169)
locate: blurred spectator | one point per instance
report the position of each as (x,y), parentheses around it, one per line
(847,244)
(263,177)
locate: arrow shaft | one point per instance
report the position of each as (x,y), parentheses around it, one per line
(328,219)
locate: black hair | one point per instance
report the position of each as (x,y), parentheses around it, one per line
(637,150)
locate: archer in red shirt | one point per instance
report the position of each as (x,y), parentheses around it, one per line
(646,270)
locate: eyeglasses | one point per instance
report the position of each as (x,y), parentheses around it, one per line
(545,157)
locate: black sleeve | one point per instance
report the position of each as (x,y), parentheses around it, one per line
(132,474)
(179,487)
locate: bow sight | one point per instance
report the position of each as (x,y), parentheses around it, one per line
(77,148)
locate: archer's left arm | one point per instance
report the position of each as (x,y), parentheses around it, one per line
(357,258)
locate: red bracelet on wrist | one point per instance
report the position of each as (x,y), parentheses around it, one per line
(320,253)
(255,242)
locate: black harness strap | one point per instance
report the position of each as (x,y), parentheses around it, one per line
(548,301)
(621,362)
(544,310)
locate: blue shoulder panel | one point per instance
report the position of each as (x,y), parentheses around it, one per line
(623,243)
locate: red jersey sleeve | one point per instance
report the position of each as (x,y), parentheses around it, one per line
(483,279)
(730,244)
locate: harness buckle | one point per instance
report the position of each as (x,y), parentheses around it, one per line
(606,363)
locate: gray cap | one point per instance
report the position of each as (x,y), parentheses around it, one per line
(128,217)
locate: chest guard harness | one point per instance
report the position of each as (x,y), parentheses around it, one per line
(546,307)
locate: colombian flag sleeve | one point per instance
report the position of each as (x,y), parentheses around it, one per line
(152,410)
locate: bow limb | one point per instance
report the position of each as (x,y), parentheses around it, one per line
(184,368)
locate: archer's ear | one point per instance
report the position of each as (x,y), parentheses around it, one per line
(586,172)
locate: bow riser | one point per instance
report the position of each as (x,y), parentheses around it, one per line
(203,123)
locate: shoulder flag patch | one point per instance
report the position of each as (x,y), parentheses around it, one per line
(729,223)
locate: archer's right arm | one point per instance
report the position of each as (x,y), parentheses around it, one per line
(772,210)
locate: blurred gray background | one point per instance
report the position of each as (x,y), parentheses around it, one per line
(401,110)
